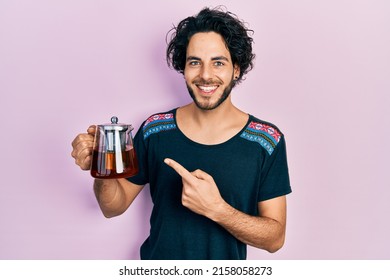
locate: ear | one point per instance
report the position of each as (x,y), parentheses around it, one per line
(236,71)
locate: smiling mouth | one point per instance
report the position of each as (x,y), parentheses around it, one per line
(207,89)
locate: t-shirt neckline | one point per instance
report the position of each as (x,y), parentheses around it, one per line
(250,117)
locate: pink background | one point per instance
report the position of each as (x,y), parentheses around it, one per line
(322,74)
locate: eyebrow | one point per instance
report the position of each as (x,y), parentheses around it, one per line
(213,58)
(220,58)
(192,58)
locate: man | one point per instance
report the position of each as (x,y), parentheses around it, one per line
(218,176)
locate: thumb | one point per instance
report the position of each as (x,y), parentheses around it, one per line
(200,174)
(91,130)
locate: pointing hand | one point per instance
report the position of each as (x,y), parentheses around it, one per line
(200,193)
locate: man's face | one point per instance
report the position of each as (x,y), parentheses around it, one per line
(209,72)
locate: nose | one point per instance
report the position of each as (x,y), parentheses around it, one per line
(205,72)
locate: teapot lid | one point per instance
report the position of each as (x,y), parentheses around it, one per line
(114,125)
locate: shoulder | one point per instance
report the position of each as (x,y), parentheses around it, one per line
(264,133)
(159,122)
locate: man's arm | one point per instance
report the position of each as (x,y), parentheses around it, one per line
(201,195)
(265,232)
(115,195)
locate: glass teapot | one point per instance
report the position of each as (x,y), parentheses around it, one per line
(113,153)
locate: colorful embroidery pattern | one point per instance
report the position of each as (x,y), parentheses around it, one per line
(267,136)
(157,123)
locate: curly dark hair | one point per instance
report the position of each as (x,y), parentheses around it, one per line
(225,23)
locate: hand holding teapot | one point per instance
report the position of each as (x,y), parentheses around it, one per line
(107,150)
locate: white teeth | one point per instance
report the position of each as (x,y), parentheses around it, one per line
(207,89)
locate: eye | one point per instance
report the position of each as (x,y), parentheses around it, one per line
(194,63)
(219,63)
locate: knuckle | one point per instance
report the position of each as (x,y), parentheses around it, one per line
(184,201)
(85,167)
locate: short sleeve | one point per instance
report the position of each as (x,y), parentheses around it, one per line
(274,180)
(142,177)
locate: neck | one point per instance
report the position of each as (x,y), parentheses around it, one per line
(210,126)
(219,115)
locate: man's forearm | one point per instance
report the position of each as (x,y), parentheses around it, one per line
(109,196)
(261,232)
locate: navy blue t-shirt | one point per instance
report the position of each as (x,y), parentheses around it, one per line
(248,168)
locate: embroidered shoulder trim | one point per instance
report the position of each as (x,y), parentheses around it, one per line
(266,135)
(158,123)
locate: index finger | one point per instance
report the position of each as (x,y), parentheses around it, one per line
(184,173)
